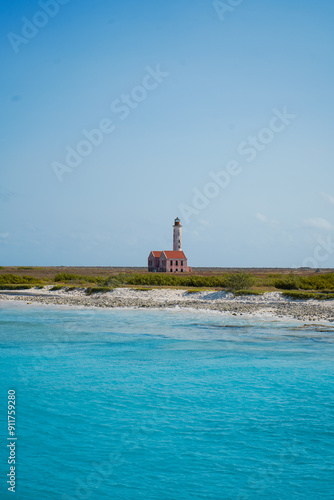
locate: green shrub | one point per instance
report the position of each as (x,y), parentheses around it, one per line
(317,282)
(308,295)
(114,281)
(289,283)
(27,268)
(98,289)
(165,279)
(247,292)
(16,287)
(56,287)
(152,279)
(18,280)
(64,277)
(239,281)
(327,296)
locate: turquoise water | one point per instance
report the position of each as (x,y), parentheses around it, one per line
(163,405)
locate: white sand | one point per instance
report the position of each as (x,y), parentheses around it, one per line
(273,303)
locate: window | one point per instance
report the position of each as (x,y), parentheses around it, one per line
(171,270)
(181,270)
(181,263)
(176,262)
(171,262)
(176,270)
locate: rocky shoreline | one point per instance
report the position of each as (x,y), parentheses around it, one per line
(268,304)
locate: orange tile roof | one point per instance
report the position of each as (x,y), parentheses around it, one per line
(156,253)
(174,254)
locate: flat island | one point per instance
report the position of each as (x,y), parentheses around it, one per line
(306,294)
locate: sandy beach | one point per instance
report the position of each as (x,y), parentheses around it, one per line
(272,303)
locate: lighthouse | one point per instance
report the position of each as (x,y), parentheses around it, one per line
(170,261)
(177,235)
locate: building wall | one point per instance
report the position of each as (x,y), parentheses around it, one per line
(153,263)
(168,265)
(174,265)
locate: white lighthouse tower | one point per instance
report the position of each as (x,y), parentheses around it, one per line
(177,235)
(170,261)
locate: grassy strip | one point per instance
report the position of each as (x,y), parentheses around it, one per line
(317,282)
(98,289)
(163,279)
(16,287)
(239,293)
(65,277)
(308,295)
(233,282)
(157,279)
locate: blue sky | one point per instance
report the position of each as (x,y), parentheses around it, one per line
(198,83)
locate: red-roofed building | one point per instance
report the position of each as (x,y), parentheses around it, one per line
(170,261)
(154,261)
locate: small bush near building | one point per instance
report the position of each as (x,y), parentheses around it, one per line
(239,281)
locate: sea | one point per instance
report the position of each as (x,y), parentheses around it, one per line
(167,404)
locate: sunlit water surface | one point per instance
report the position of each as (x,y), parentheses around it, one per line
(168,404)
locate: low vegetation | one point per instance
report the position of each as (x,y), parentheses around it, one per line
(315,282)
(163,279)
(239,281)
(114,281)
(155,279)
(12,279)
(291,283)
(297,285)
(239,293)
(98,289)
(16,287)
(77,278)
(308,295)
